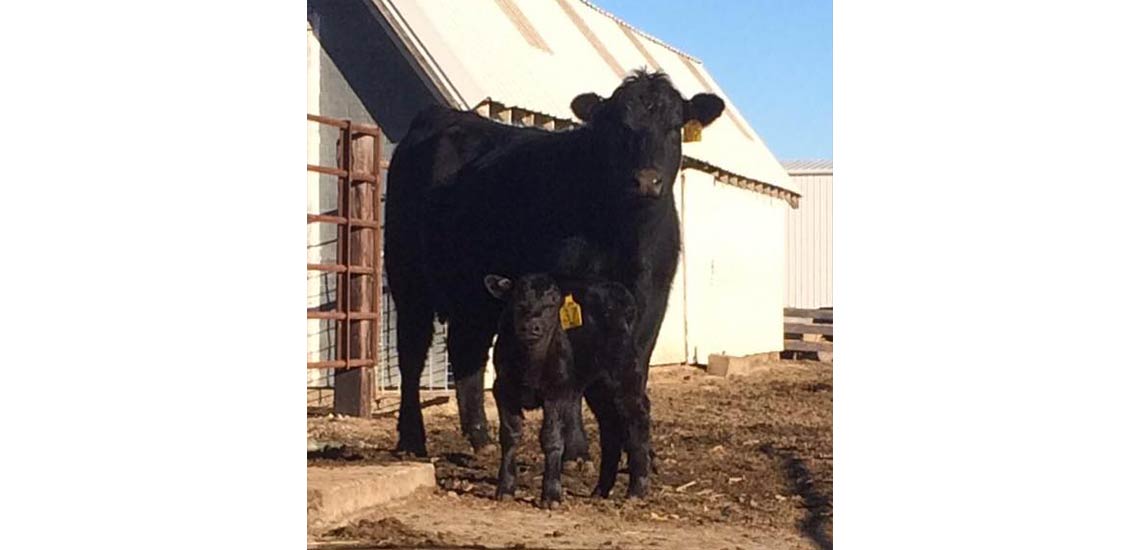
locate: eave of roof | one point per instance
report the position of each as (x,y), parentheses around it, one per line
(503,114)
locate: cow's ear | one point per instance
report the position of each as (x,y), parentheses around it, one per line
(584,105)
(497,285)
(703,108)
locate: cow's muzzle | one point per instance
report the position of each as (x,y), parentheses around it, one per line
(649,183)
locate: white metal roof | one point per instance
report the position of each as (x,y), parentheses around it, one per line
(539,55)
(820,166)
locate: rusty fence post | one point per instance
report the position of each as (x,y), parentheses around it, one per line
(358,266)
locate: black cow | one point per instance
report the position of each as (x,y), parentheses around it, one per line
(544,359)
(467,197)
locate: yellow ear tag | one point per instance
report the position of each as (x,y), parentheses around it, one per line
(691,131)
(570,314)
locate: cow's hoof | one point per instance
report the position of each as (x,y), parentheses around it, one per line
(485,450)
(414,448)
(550,504)
(480,442)
(638,489)
(599,493)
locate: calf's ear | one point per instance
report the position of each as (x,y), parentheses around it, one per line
(497,285)
(703,108)
(584,105)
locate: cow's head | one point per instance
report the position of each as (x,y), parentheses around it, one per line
(640,129)
(532,302)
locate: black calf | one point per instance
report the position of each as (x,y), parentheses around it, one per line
(547,355)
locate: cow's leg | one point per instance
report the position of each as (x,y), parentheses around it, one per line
(601,402)
(413,337)
(554,415)
(467,346)
(574,433)
(510,431)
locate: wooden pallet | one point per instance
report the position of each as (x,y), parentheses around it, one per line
(808,334)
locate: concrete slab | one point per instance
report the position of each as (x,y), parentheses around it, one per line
(338,494)
(727,365)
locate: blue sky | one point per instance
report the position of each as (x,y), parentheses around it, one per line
(772,57)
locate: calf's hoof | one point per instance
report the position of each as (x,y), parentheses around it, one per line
(549,504)
(504,492)
(638,488)
(578,465)
(576,451)
(598,492)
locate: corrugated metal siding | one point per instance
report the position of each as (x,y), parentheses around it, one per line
(809,244)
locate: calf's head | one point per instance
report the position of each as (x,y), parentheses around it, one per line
(640,129)
(532,302)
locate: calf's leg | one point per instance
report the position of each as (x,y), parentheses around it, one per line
(574,432)
(510,430)
(635,419)
(652,306)
(555,413)
(601,401)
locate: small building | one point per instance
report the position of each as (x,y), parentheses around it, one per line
(809,236)
(522,62)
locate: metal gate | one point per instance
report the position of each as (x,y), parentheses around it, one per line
(355,312)
(346,276)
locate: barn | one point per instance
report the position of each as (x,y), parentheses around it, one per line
(809,246)
(378,62)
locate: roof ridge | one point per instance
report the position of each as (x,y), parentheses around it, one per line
(644,34)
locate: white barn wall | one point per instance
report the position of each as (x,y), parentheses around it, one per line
(671,341)
(317,342)
(733,271)
(809,244)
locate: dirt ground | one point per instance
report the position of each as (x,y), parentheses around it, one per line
(743,462)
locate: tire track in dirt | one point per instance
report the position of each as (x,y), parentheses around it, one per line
(800,480)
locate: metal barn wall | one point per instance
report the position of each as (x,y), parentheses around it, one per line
(809,244)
